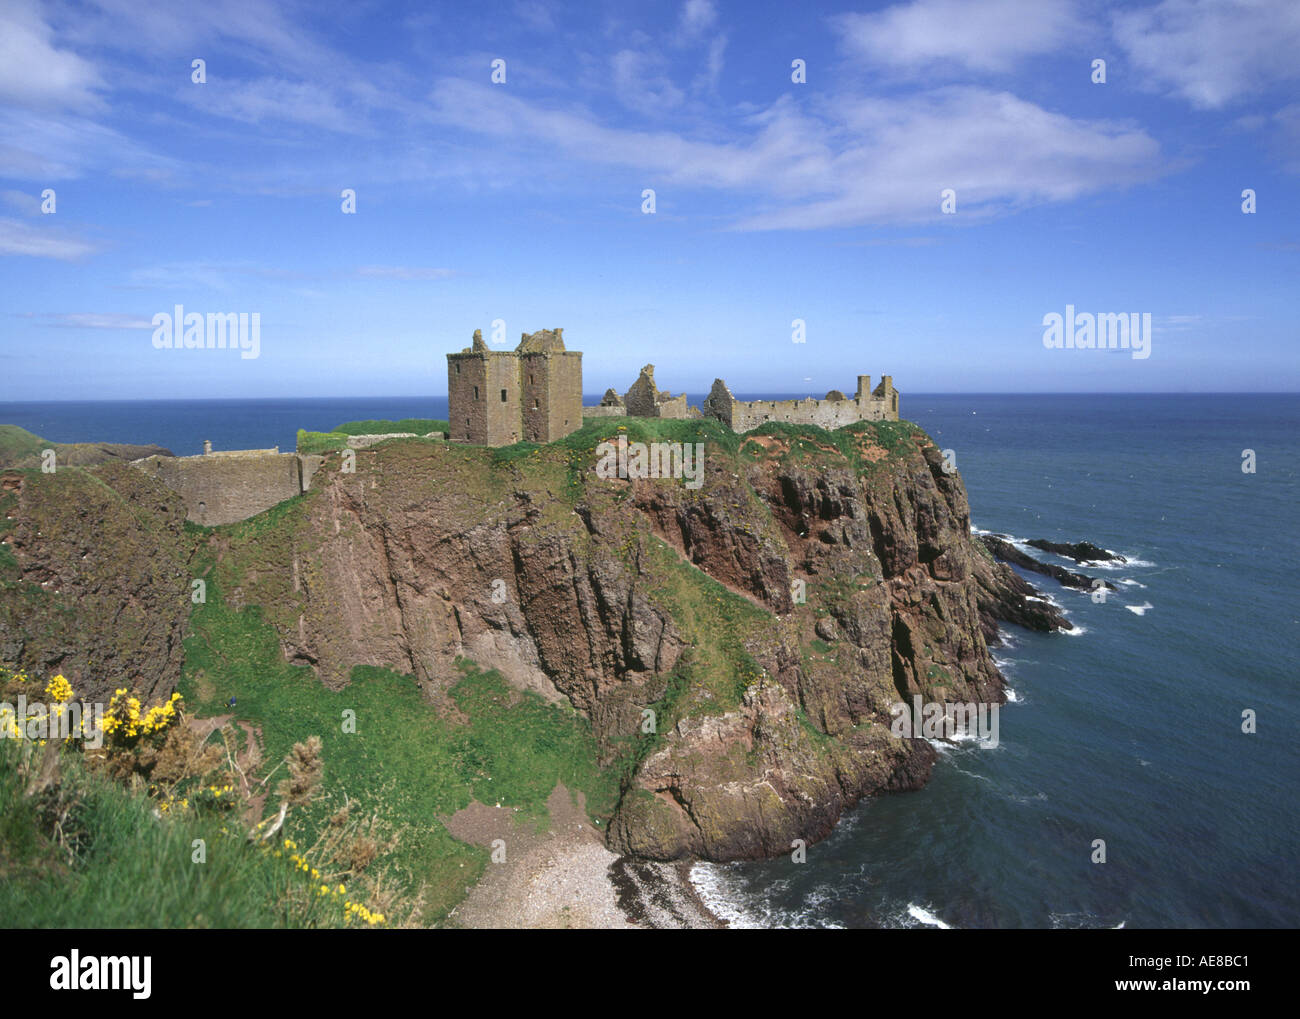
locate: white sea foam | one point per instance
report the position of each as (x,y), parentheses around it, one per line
(923,915)
(1140,610)
(1128,582)
(711,886)
(1078,631)
(1140,563)
(722,900)
(1012,696)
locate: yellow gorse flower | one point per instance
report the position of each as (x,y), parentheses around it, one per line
(59,690)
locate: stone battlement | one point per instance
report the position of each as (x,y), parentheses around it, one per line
(835,410)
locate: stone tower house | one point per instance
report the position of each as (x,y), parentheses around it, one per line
(530,394)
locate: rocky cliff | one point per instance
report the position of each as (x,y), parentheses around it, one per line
(736,647)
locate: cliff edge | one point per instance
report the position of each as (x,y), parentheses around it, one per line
(735,646)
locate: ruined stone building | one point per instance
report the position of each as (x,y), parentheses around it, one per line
(530,394)
(645,400)
(834,411)
(610,406)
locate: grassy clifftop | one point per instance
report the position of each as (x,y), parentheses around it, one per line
(20,448)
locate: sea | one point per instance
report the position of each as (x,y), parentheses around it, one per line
(1161,733)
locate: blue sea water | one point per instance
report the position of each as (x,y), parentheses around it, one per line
(1130,731)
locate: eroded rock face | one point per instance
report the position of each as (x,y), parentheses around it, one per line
(557,591)
(99,584)
(770,618)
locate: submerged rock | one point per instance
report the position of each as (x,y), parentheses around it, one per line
(1079,551)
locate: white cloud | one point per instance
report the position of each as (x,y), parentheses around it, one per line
(29,204)
(96,320)
(44,148)
(34,73)
(640,86)
(697,17)
(989,35)
(1213,52)
(403,272)
(18,238)
(274,99)
(535,15)
(849,161)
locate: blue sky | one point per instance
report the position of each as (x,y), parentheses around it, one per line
(521,201)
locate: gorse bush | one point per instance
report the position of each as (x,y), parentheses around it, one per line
(151,827)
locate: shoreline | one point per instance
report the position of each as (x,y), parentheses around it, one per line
(661,896)
(567,878)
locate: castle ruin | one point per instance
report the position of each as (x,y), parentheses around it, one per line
(835,410)
(220,487)
(530,394)
(645,400)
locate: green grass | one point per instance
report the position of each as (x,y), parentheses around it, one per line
(18,443)
(337,439)
(120,866)
(320,442)
(406,762)
(714,618)
(812,444)
(420,426)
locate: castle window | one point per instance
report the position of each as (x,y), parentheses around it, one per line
(535,403)
(476,392)
(503,396)
(457,367)
(530,380)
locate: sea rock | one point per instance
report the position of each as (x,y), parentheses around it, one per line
(1008,552)
(1079,551)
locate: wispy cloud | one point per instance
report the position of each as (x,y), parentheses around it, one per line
(43,241)
(25,202)
(403,272)
(90,320)
(846,161)
(34,72)
(1212,53)
(959,35)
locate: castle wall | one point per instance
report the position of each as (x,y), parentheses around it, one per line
(604,412)
(565,385)
(505,426)
(646,400)
(828,414)
(467,413)
(675,408)
(222,488)
(835,411)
